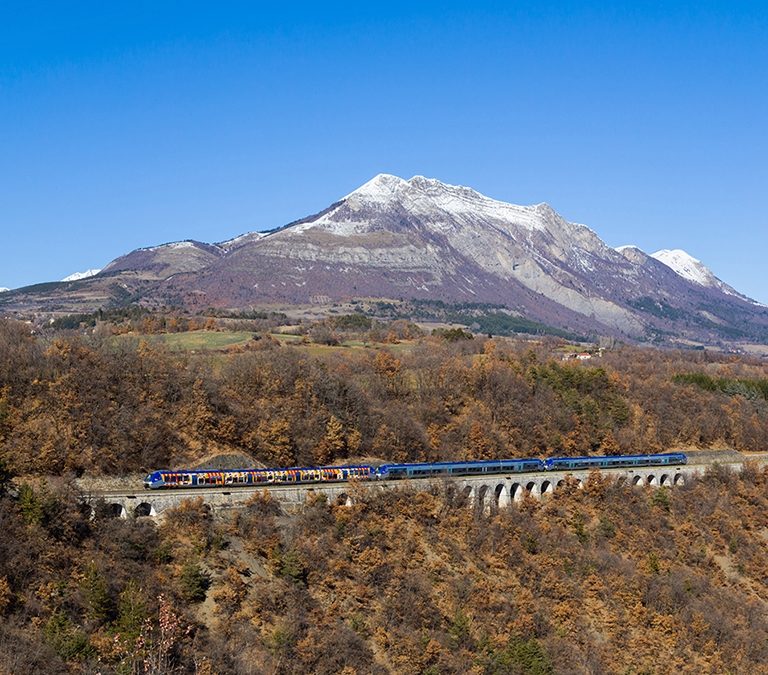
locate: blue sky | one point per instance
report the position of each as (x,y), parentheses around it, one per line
(129,124)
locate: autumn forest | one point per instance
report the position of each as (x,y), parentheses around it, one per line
(600,580)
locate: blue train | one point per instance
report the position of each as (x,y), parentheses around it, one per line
(423,470)
(612,462)
(319,474)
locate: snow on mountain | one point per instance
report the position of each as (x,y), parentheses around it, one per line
(240,240)
(687,266)
(171,245)
(76,276)
(425,197)
(427,238)
(2,290)
(424,239)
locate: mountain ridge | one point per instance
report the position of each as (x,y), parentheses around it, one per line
(424,239)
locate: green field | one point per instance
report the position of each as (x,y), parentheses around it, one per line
(201,340)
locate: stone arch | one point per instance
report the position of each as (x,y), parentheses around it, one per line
(464,498)
(532,488)
(679,479)
(547,488)
(343,499)
(144,509)
(116,510)
(516,492)
(501,496)
(652,480)
(664,480)
(480,498)
(561,483)
(637,481)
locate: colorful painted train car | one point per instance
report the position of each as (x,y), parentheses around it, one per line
(250,477)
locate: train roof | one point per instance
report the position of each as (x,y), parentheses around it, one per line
(481,462)
(593,457)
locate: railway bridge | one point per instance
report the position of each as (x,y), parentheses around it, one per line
(486,493)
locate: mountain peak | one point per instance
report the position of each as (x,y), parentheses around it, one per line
(77,276)
(428,196)
(685,265)
(692,269)
(381,187)
(386,186)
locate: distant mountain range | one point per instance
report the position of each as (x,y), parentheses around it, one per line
(76,276)
(423,239)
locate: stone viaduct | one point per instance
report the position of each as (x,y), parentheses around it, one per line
(486,493)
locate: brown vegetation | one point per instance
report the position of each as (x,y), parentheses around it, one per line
(607,579)
(100,406)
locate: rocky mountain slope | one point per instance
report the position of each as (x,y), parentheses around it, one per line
(423,239)
(694,270)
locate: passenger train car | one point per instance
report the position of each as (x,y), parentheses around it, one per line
(321,474)
(613,462)
(246,477)
(390,471)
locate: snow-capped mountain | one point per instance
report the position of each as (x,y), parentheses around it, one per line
(166,260)
(3,289)
(685,265)
(76,276)
(424,239)
(692,269)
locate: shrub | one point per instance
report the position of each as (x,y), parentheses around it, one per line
(194,582)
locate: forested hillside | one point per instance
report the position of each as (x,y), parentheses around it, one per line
(72,403)
(605,579)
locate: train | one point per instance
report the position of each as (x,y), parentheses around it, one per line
(203,478)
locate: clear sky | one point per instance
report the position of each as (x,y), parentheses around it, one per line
(129,124)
